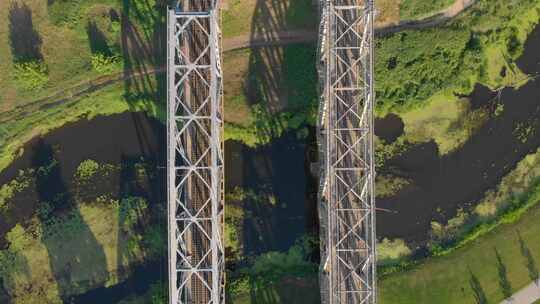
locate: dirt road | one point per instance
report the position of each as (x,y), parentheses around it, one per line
(299,36)
(229,44)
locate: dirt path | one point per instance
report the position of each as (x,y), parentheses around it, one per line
(73,93)
(434,20)
(299,36)
(229,44)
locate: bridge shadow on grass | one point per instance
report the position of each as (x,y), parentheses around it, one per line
(25,41)
(143,43)
(478,292)
(530,263)
(504,283)
(76,258)
(272,182)
(280,78)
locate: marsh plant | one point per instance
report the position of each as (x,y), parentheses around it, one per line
(31,75)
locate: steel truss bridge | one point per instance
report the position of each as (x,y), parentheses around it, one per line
(346,194)
(195,153)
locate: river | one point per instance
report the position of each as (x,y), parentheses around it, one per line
(440,185)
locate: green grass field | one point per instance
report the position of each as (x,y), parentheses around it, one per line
(474,270)
(94,254)
(95,242)
(15,133)
(410,9)
(59,37)
(244,17)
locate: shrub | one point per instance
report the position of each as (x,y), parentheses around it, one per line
(31,75)
(66,12)
(8,190)
(392,252)
(154,241)
(104,64)
(87,169)
(158,293)
(130,210)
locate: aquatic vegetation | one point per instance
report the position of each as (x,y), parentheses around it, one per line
(518,192)
(7,191)
(269,268)
(388,184)
(446,119)
(392,251)
(159,293)
(384,152)
(524,131)
(444,279)
(87,169)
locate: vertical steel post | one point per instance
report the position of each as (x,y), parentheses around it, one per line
(171,144)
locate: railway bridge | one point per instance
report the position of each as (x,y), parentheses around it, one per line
(195,153)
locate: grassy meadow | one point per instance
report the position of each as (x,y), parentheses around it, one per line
(490,268)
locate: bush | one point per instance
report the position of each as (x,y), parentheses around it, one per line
(270,267)
(31,75)
(8,190)
(158,293)
(154,240)
(413,65)
(104,64)
(517,207)
(87,169)
(131,209)
(391,252)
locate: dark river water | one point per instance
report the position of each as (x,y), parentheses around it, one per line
(282,169)
(439,185)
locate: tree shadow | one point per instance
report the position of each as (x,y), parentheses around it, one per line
(81,260)
(478,291)
(98,40)
(25,41)
(530,263)
(504,283)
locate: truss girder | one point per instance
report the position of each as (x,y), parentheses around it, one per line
(346,141)
(195,154)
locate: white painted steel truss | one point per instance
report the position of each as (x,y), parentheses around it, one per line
(195,154)
(347,201)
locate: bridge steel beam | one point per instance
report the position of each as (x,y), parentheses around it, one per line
(346,194)
(195,154)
